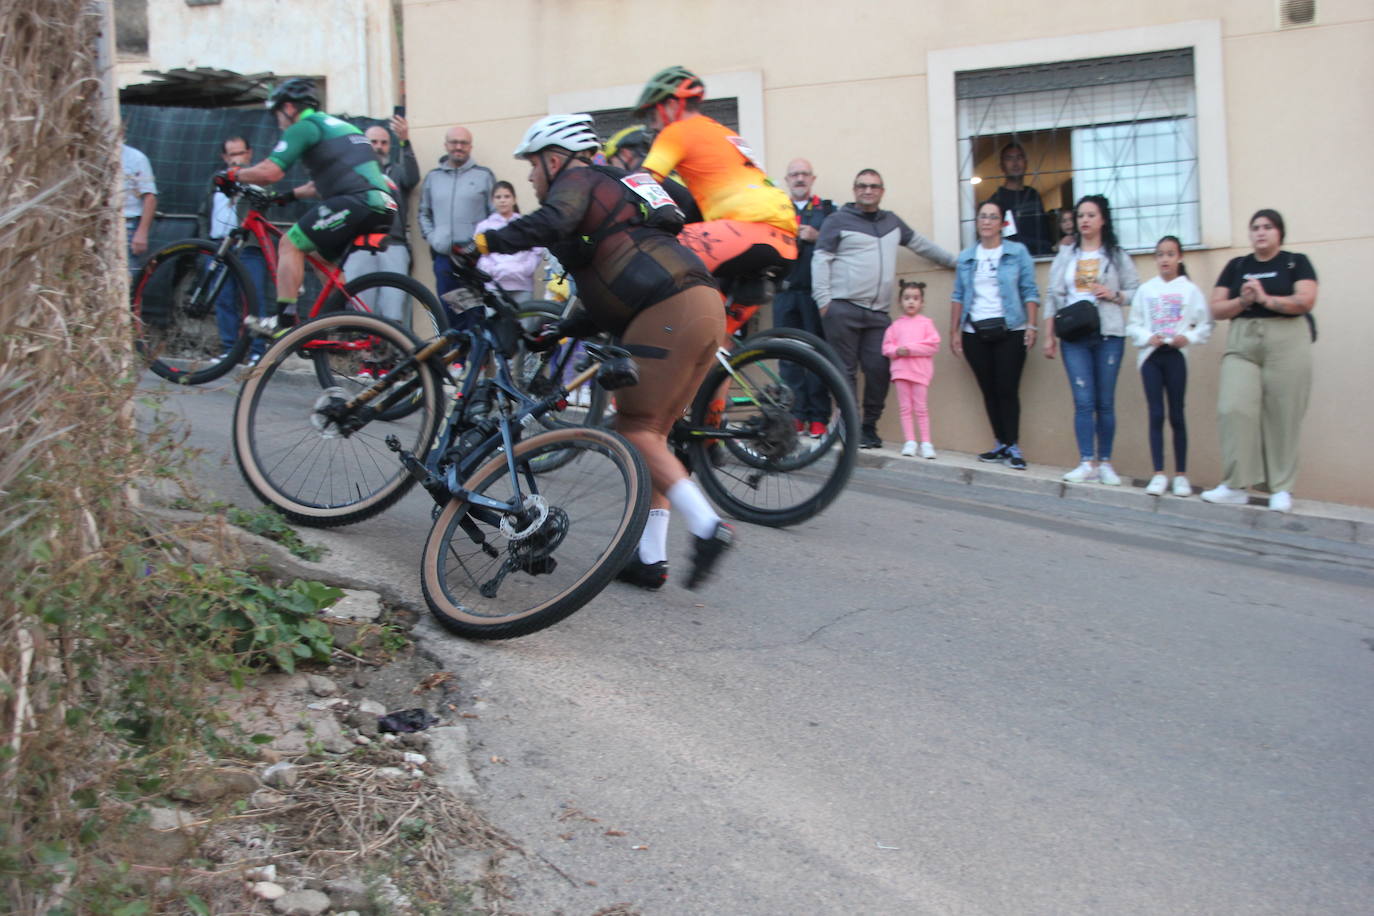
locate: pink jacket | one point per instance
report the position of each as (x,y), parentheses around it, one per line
(515,272)
(917,333)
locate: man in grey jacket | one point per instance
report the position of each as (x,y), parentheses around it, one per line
(852,275)
(405,173)
(454,198)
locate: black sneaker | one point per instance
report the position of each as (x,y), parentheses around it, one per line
(996,454)
(706,551)
(869,438)
(1014,459)
(645,575)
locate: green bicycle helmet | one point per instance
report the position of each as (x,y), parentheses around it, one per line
(672,83)
(300,91)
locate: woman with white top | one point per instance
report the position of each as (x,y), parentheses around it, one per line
(1096,271)
(992,321)
(1169,314)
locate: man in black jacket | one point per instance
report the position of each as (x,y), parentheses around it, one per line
(793,307)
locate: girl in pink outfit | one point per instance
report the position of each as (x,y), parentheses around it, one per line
(515,272)
(910,345)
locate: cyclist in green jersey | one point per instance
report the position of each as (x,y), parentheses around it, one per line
(356,197)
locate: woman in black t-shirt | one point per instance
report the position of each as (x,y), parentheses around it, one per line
(1266,372)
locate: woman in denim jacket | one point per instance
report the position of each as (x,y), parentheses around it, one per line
(1093,269)
(992,322)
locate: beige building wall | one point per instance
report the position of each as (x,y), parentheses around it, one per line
(846,85)
(351,43)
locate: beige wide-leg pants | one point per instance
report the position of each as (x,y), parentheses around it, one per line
(1266,377)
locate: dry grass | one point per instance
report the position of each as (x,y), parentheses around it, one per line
(66,453)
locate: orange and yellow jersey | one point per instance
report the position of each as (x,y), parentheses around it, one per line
(719,169)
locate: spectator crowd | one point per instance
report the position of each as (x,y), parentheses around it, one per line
(843,286)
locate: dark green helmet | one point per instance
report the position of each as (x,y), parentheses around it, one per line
(672,83)
(300,91)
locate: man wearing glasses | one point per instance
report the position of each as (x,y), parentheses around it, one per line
(852,275)
(793,307)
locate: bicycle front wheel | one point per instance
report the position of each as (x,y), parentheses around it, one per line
(189,304)
(760,469)
(297,446)
(489,575)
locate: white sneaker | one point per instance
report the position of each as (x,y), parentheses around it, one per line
(261,327)
(1157,485)
(1081,474)
(1107,475)
(1182,487)
(927,450)
(909,449)
(1223,495)
(1281,501)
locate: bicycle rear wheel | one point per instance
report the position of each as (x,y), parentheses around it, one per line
(299,454)
(490,576)
(833,426)
(760,469)
(189,304)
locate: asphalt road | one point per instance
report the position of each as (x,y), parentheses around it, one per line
(928,700)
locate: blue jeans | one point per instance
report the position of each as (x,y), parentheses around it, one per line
(227,317)
(1092,365)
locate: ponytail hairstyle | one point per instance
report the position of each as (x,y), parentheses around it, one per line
(507,186)
(1273,217)
(902,286)
(1182,269)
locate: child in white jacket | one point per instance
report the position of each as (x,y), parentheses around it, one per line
(1168,314)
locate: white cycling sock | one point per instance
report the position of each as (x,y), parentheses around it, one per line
(688,499)
(653,543)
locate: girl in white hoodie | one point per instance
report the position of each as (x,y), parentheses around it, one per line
(1168,314)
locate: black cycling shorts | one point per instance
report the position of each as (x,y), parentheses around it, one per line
(330,226)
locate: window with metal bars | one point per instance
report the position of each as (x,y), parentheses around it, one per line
(1123,127)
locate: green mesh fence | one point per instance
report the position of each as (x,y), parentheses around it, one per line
(183,145)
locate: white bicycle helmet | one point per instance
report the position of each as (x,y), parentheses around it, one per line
(572,132)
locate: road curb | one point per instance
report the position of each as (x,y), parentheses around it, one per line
(1332,521)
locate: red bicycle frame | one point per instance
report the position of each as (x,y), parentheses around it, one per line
(331,275)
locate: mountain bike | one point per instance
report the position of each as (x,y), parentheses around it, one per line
(739,436)
(193,294)
(514,547)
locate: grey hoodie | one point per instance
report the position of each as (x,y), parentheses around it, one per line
(856,256)
(453,200)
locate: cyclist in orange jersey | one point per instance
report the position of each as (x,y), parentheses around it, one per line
(749,225)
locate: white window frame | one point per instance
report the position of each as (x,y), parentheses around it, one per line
(744,86)
(1203,36)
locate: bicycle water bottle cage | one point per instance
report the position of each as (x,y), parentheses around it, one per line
(373,241)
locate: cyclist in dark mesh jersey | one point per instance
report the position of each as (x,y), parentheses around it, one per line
(344,172)
(615,233)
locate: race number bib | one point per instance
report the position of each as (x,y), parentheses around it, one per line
(643,184)
(745,151)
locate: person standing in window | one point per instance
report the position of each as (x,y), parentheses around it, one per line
(1095,270)
(1023,204)
(992,322)
(1266,371)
